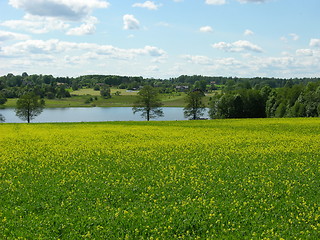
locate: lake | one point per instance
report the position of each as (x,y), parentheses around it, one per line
(94,114)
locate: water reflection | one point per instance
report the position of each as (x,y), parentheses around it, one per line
(96,114)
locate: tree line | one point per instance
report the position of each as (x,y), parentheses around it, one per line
(289,101)
(232,97)
(48,86)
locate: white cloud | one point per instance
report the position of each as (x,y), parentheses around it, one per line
(314,42)
(153,68)
(37,25)
(149,50)
(238,46)
(299,65)
(206,29)
(163,24)
(130,22)
(294,36)
(304,52)
(148,4)
(74,10)
(248,32)
(73,59)
(216,2)
(7,36)
(54,46)
(85,29)
(198,59)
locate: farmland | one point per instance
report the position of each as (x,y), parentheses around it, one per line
(218,179)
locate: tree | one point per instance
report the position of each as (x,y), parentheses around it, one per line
(29,106)
(148,103)
(2,119)
(195,107)
(3,99)
(105,91)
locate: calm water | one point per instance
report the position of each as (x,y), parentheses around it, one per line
(96,114)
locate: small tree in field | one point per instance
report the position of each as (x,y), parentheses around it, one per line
(148,103)
(3,99)
(2,119)
(195,106)
(29,106)
(105,91)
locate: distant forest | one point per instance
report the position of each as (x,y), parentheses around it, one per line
(233,97)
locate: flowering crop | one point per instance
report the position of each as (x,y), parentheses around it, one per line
(239,179)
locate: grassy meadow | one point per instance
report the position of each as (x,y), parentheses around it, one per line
(124,99)
(217,179)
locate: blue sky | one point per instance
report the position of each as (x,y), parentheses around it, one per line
(161,38)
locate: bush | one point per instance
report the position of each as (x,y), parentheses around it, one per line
(3,99)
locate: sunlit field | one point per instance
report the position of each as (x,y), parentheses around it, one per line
(219,179)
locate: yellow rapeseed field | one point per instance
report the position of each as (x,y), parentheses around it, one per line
(217,179)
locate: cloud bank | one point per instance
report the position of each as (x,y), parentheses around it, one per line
(238,46)
(73,10)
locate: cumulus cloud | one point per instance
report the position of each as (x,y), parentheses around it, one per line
(314,42)
(251,65)
(147,4)
(238,46)
(74,10)
(37,25)
(130,22)
(163,24)
(85,29)
(216,2)
(304,52)
(198,59)
(206,29)
(294,36)
(7,36)
(248,32)
(55,46)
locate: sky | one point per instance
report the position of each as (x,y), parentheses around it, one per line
(161,38)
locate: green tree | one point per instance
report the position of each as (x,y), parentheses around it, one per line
(3,99)
(148,103)
(29,106)
(195,107)
(105,91)
(227,106)
(2,119)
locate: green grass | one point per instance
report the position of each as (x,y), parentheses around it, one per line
(125,99)
(217,179)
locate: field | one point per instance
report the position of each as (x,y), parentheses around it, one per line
(217,179)
(125,99)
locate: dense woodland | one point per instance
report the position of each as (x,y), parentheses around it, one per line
(234,97)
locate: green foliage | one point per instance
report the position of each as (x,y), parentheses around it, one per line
(3,99)
(117,93)
(75,85)
(297,97)
(29,106)
(148,103)
(245,103)
(105,92)
(195,107)
(295,101)
(289,101)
